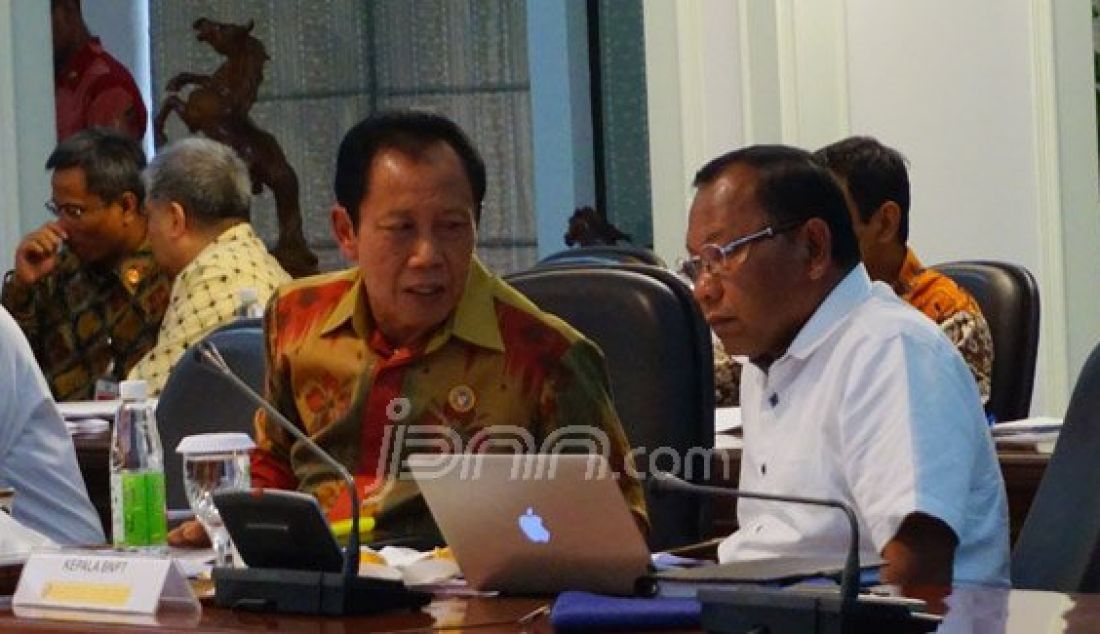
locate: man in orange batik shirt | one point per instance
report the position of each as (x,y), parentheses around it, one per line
(876,184)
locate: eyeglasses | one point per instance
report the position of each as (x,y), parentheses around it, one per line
(713,258)
(69,210)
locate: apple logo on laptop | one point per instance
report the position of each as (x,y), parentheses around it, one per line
(533,530)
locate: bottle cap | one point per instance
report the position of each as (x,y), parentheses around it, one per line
(133,390)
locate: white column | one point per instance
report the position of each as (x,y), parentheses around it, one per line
(561,116)
(123,27)
(1077,161)
(975,109)
(693,76)
(27,127)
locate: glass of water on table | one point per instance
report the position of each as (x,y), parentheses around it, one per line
(213,463)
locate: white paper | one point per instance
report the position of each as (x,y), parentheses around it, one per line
(414,567)
(727,419)
(17,541)
(1039,424)
(86,425)
(72,410)
(727,441)
(193,561)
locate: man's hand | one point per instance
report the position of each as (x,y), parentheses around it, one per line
(189,534)
(922,553)
(37,254)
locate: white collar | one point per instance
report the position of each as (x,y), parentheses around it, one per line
(845,297)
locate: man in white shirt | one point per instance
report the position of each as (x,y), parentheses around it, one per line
(198,202)
(36,454)
(847,392)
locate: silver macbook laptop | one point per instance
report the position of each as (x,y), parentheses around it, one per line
(533,523)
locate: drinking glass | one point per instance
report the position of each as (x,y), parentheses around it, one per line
(213,463)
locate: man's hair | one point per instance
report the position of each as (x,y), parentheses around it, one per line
(791,188)
(205,177)
(111,161)
(874,175)
(411,133)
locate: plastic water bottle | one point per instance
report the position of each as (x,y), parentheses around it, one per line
(138,517)
(248,304)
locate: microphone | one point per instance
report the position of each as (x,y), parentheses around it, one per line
(752,608)
(263,590)
(209,355)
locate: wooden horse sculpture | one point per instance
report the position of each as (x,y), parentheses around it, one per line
(587,227)
(218,107)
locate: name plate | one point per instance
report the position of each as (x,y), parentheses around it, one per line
(106,587)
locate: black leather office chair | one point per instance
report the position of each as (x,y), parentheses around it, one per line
(1009,299)
(659,358)
(602,254)
(196,400)
(1059,544)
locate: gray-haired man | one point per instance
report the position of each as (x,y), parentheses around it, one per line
(198,204)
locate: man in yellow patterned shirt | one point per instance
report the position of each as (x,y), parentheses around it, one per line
(198,201)
(876,184)
(419,344)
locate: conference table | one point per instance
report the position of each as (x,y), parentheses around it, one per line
(971,609)
(1022,470)
(979,610)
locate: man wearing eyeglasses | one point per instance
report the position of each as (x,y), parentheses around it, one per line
(847,392)
(85,288)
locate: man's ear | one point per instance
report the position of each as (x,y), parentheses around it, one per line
(344,230)
(131,207)
(177,220)
(818,242)
(887,219)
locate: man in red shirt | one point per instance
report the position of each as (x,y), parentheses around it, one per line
(91,88)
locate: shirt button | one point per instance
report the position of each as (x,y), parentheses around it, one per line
(764,469)
(774,399)
(759,529)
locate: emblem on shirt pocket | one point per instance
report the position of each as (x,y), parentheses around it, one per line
(398,409)
(133,275)
(462,399)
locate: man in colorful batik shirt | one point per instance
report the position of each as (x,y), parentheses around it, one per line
(419,333)
(91,88)
(85,288)
(876,183)
(198,203)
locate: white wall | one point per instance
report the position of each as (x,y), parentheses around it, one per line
(969,113)
(688,53)
(561,117)
(123,28)
(9,159)
(1077,166)
(963,110)
(991,101)
(27,125)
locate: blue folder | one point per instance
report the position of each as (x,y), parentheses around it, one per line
(578,611)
